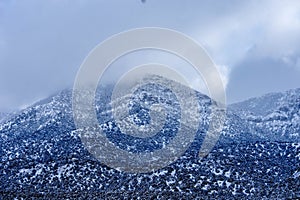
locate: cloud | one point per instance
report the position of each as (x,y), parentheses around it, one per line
(42,44)
(257,76)
(272,27)
(298,63)
(267,33)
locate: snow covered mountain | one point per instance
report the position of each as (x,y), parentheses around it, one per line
(42,155)
(276,116)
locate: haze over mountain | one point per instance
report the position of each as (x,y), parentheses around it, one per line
(42,44)
(3,116)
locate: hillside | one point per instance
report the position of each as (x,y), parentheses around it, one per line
(42,154)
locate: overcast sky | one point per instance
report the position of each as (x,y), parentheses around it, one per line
(255,44)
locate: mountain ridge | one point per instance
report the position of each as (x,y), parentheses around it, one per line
(42,155)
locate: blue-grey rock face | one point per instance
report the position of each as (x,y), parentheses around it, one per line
(42,155)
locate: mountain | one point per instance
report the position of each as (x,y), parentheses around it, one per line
(275,115)
(42,154)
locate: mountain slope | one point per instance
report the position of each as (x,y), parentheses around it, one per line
(275,115)
(42,156)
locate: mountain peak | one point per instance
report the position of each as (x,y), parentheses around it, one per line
(42,153)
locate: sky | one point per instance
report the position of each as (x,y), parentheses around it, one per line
(255,44)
